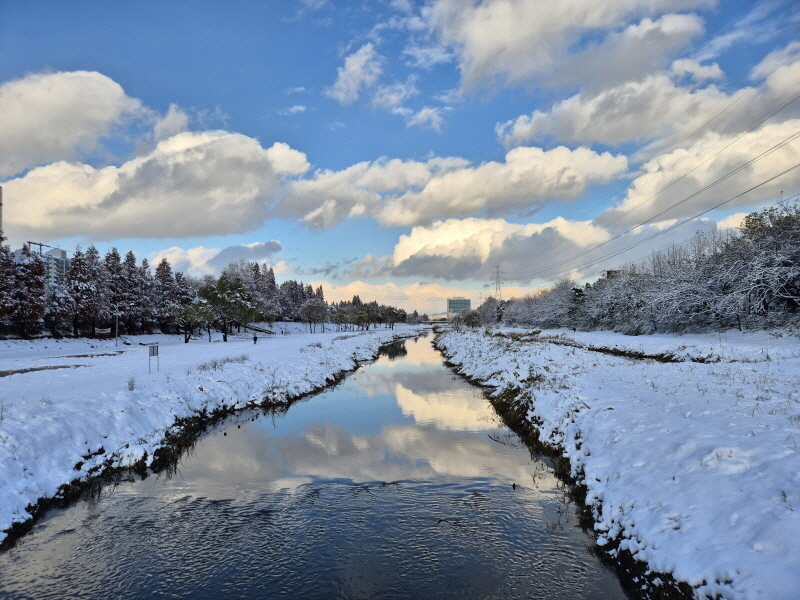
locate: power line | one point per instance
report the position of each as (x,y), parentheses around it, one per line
(741,167)
(714,155)
(675,225)
(750,90)
(693,134)
(749,130)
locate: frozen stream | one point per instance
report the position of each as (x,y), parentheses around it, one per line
(398,483)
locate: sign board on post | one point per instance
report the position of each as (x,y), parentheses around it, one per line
(153,351)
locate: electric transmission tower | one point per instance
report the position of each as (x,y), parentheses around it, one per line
(498,283)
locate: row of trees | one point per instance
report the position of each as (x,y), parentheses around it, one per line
(118,293)
(747,278)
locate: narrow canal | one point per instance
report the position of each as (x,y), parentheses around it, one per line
(399,483)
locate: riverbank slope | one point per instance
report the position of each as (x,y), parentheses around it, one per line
(690,467)
(71,407)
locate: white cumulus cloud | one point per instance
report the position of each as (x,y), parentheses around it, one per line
(661,108)
(532,253)
(361,70)
(391,96)
(427,117)
(200,260)
(46,117)
(328,197)
(677,177)
(528,177)
(516,41)
(175,121)
(404,193)
(190,184)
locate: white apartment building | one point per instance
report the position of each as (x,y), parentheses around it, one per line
(56,265)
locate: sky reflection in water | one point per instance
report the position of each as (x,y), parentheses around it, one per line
(396,484)
(398,420)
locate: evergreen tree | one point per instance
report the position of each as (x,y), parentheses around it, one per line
(81,288)
(185,288)
(6,278)
(60,307)
(28,300)
(100,283)
(293,296)
(145,295)
(131,302)
(273,305)
(230,302)
(116,285)
(312,312)
(165,294)
(270,288)
(196,314)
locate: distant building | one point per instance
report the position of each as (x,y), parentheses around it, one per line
(56,265)
(457,305)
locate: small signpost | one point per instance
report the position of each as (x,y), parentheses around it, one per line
(153,351)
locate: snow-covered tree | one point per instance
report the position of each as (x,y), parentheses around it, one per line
(230,303)
(488,311)
(60,307)
(392,316)
(165,294)
(313,311)
(29,295)
(186,289)
(189,316)
(146,296)
(116,285)
(272,304)
(131,300)
(82,289)
(6,278)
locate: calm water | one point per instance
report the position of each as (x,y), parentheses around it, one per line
(396,484)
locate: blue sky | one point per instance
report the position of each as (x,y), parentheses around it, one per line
(396,149)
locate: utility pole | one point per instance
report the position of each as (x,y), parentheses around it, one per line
(498,282)
(38,244)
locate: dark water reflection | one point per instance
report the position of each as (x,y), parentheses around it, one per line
(396,484)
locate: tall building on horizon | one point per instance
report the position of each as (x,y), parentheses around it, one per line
(56,266)
(457,305)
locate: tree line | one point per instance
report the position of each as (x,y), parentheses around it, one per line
(745,278)
(126,296)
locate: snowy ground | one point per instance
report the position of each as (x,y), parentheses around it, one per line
(692,467)
(61,400)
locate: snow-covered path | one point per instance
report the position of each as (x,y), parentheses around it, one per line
(104,401)
(691,467)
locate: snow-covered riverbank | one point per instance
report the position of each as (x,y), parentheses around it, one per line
(691,467)
(64,400)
